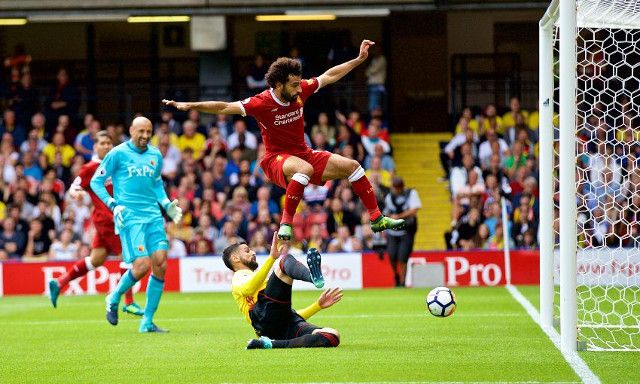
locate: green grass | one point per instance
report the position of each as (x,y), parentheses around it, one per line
(386,337)
(610,367)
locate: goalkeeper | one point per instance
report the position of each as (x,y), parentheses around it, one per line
(266,304)
(138,193)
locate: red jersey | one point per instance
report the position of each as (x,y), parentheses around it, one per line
(281,124)
(101,214)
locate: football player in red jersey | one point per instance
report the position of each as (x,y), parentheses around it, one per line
(288,161)
(105,241)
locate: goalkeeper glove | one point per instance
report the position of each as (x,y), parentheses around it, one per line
(118,218)
(174,211)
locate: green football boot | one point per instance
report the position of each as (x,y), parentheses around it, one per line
(383,222)
(285,232)
(133,309)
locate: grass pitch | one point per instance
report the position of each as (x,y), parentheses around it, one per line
(387,336)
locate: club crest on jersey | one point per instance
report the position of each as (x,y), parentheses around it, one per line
(299,101)
(141,248)
(153,163)
(279,158)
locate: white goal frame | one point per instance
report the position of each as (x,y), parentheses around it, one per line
(568,15)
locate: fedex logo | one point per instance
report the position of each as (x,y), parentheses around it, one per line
(144,171)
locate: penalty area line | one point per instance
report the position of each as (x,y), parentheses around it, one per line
(575,361)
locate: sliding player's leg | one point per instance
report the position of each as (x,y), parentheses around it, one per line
(339,167)
(300,335)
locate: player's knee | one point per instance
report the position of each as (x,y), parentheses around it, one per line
(353,166)
(306,170)
(331,336)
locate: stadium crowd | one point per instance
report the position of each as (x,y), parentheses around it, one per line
(213,170)
(491,157)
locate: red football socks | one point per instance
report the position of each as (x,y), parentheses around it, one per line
(293,195)
(363,188)
(79,269)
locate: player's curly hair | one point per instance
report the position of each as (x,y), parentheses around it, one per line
(280,70)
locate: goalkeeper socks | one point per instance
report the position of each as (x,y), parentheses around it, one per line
(126,282)
(293,195)
(294,269)
(128,296)
(314,340)
(363,188)
(154,292)
(80,268)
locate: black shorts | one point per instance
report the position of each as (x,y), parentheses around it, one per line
(400,247)
(273,317)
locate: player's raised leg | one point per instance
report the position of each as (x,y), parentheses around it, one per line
(298,172)
(339,167)
(79,269)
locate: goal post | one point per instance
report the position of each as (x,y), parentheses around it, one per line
(590,172)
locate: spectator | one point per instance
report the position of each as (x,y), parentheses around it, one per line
(199,244)
(466,232)
(451,154)
(194,116)
(209,231)
(344,242)
(264,201)
(497,240)
(31,167)
(170,157)
(259,243)
(467,119)
(223,124)
(215,144)
(64,249)
(347,138)
(376,77)
(371,140)
(516,160)
(12,242)
(492,145)
(162,129)
(523,219)
(177,249)
(85,140)
(58,148)
(24,101)
(384,176)
(173,126)
(64,99)
(33,144)
(256,81)
(38,242)
(21,225)
(228,236)
(404,204)
(510,119)
(315,239)
(386,161)
(11,126)
(239,130)
(491,120)
(38,122)
(459,175)
(192,139)
(339,216)
(322,126)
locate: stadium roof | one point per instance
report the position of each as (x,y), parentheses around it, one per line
(97,10)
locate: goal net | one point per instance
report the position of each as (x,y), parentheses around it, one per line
(601,199)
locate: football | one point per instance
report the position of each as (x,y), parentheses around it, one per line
(441,302)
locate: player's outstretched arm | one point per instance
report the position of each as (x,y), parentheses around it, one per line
(216,107)
(336,73)
(327,298)
(255,283)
